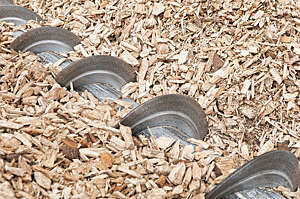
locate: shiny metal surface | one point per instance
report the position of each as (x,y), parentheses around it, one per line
(53,57)
(17,14)
(45,39)
(102,75)
(275,168)
(177,111)
(97,69)
(255,194)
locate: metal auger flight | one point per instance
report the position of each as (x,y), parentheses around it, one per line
(173,115)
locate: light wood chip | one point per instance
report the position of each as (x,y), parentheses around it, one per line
(10,125)
(177,174)
(127,135)
(42,180)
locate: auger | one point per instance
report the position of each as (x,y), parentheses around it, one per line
(172,115)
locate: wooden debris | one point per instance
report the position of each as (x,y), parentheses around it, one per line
(183,56)
(56,143)
(286,39)
(158,8)
(275,74)
(188,152)
(106,161)
(127,135)
(70,152)
(129,58)
(161,181)
(42,180)
(10,125)
(130,172)
(164,142)
(248,111)
(177,173)
(214,62)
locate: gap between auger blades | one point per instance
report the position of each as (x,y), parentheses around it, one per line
(275,168)
(17,14)
(45,39)
(175,111)
(102,69)
(53,57)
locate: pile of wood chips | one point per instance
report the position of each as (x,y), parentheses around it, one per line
(239,59)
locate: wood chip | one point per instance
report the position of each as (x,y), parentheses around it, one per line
(183,57)
(164,142)
(177,174)
(275,74)
(214,62)
(15,171)
(286,39)
(10,125)
(59,143)
(129,58)
(106,161)
(127,135)
(130,172)
(70,152)
(248,111)
(42,180)
(158,9)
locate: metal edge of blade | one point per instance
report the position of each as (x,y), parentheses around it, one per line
(6,2)
(271,169)
(97,69)
(174,110)
(17,14)
(43,36)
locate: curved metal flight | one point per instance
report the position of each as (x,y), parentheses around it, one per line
(53,57)
(166,131)
(6,2)
(100,91)
(255,194)
(275,168)
(102,69)
(104,91)
(46,39)
(17,14)
(182,115)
